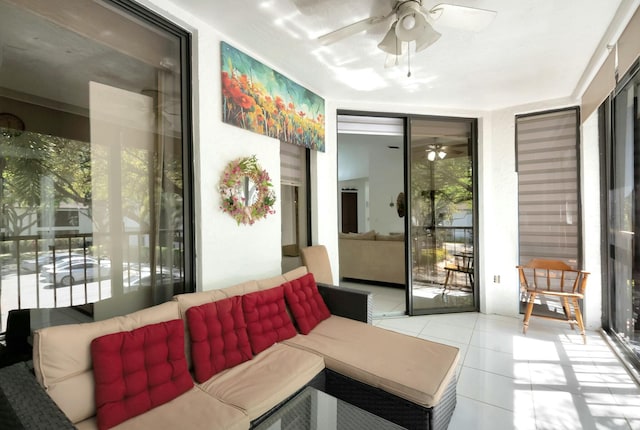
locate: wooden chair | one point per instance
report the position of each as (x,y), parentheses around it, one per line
(317,261)
(463,263)
(554,278)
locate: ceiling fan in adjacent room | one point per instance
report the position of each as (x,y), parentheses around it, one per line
(412,23)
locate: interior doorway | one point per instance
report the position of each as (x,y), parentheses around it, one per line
(370,178)
(349,212)
(293,204)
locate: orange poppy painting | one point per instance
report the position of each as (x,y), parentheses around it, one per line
(257,98)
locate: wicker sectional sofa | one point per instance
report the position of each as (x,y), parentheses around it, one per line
(404,379)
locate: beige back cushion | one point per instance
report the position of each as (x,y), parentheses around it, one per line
(62,357)
(265,284)
(295,273)
(316,259)
(188,300)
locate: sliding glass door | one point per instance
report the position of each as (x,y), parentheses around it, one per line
(95,159)
(407,210)
(441,215)
(624,219)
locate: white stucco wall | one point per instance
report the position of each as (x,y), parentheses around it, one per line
(591,207)
(324,185)
(227,253)
(498,199)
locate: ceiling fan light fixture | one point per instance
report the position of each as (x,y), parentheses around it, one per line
(436,151)
(390,44)
(428,38)
(392,60)
(411,20)
(408,22)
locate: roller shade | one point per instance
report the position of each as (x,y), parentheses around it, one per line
(292,164)
(627,50)
(549,223)
(629,44)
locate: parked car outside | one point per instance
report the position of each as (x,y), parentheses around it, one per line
(75,270)
(136,279)
(33,264)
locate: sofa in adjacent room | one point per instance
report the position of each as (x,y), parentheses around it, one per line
(224,358)
(372,257)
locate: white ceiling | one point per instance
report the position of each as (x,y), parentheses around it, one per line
(534,50)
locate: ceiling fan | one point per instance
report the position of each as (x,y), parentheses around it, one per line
(413,24)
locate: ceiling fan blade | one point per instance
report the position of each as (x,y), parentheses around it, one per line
(351,29)
(462,17)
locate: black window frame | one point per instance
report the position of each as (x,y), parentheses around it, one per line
(606,130)
(186,92)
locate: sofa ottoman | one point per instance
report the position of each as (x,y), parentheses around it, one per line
(359,356)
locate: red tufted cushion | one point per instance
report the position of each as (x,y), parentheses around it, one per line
(306,303)
(267,319)
(219,337)
(138,370)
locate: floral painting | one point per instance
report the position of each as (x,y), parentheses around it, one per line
(257,98)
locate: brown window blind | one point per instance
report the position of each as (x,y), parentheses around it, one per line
(547,151)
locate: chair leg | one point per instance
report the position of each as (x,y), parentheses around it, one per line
(576,309)
(446,281)
(567,311)
(527,315)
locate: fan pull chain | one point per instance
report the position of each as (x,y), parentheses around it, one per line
(409,60)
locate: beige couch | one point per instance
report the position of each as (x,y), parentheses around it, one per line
(372,257)
(405,369)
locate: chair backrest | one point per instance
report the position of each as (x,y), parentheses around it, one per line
(464,260)
(18,330)
(317,261)
(552,276)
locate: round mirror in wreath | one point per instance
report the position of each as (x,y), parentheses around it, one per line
(246,191)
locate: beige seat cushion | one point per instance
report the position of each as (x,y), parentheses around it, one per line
(258,385)
(412,368)
(194,409)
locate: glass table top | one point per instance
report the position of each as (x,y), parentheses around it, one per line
(312,409)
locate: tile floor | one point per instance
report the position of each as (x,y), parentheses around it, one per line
(547,379)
